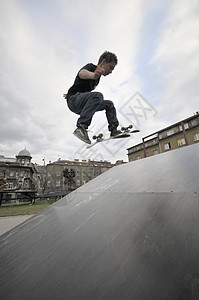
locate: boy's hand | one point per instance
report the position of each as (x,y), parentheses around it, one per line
(99,71)
(85,74)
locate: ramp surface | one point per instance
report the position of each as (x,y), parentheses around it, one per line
(131,233)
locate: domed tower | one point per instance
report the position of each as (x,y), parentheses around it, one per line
(24,157)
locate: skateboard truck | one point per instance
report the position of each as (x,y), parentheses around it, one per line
(98,137)
(126,129)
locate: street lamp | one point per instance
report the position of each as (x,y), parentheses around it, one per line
(69,175)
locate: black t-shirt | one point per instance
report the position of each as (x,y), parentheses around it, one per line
(83,85)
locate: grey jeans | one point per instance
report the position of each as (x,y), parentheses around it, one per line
(86,104)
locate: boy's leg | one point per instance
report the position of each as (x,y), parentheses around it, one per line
(85,105)
(111,114)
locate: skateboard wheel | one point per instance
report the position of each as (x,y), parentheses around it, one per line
(123,128)
(130,126)
(94,137)
(100,135)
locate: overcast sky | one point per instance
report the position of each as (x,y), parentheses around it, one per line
(43,44)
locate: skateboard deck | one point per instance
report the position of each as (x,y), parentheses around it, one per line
(126,132)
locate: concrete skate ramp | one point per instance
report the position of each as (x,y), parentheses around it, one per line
(131,233)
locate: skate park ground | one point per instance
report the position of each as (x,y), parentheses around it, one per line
(7,223)
(131,233)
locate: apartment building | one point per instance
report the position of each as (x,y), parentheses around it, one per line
(180,134)
(18,176)
(65,175)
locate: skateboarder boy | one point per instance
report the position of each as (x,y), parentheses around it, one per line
(82,101)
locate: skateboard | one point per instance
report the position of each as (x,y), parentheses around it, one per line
(126,132)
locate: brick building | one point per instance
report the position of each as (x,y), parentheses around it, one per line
(19,176)
(66,175)
(180,134)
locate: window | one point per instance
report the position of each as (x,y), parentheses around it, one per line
(48,183)
(11,173)
(170,132)
(193,123)
(155,152)
(57,183)
(167,146)
(78,182)
(196,137)
(9,185)
(26,185)
(186,126)
(181,142)
(138,157)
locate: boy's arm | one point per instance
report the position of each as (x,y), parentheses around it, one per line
(85,74)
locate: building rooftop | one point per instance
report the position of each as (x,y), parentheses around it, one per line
(84,162)
(24,152)
(7,159)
